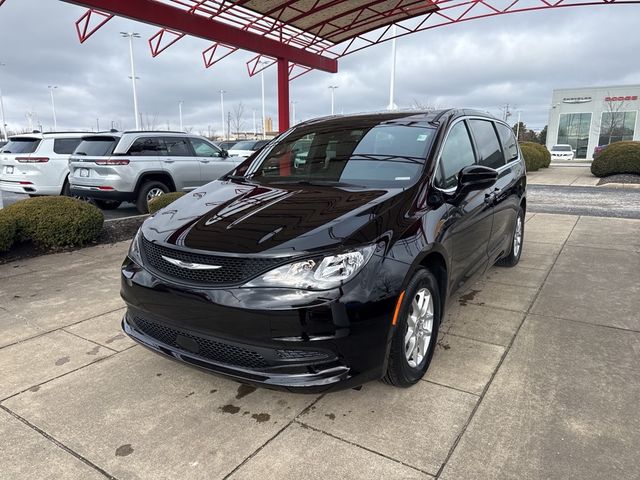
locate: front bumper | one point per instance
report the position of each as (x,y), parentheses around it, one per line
(28,187)
(333,341)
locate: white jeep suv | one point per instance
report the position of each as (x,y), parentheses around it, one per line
(136,166)
(38,163)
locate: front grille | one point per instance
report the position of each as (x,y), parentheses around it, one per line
(211,349)
(232,270)
(299,354)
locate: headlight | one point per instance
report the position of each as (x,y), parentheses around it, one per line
(317,274)
(134,250)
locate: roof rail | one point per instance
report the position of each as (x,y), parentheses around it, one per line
(154,131)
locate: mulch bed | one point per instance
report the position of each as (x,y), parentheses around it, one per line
(113,231)
(620,178)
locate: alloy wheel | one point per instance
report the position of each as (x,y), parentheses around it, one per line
(153,193)
(419,327)
(517,237)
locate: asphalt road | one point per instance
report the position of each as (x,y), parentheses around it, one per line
(594,201)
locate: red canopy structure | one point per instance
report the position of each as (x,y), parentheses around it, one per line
(297,35)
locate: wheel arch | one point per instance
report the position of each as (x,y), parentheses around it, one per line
(157,176)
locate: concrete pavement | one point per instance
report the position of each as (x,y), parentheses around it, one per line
(535,376)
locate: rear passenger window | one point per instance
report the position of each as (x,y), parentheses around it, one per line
(457,153)
(487,142)
(65,146)
(178,147)
(150,146)
(508,140)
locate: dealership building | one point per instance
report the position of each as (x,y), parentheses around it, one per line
(587,117)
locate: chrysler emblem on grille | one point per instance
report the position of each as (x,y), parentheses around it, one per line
(189,265)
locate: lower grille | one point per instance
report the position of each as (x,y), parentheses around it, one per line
(207,348)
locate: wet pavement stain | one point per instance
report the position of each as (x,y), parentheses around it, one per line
(35,388)
(62,361)
(443,345)
(244,390)
(114,338)
(261,417)
(330,416)
(158,374)
(189,394)
(124,450)
(213,390)
(468,297)
(94,350)
(232,409)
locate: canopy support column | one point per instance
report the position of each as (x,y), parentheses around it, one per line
(283,94)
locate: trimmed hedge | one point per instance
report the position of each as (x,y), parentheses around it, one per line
(163,200)
(540,159)
(619,157)
(7,231)
(55,221)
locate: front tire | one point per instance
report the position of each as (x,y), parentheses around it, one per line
(148,191)
(517,241)
(416,331)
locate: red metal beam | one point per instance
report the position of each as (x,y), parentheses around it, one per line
(162,15)
(283,95)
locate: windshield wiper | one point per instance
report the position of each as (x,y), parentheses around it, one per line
(316,183)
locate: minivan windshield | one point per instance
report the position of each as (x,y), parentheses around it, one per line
(561,148)
(21,145)
(363,152)
(96,146)
(244,145)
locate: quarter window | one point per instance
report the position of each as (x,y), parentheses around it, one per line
(457,153)
(508,140)
(65,146)
(149,146)
(487,143)
(177,147)
(204,149)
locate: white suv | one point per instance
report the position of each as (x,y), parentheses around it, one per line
(37,163)
(562,152)
(137,166)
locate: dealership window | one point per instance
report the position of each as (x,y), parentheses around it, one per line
(616,127)
(574,130)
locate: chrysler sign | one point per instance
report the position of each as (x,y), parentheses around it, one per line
(576,99)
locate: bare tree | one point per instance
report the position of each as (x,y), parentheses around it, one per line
(428,104)
(611,124)
(237,120)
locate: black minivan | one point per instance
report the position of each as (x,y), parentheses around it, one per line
(327,259)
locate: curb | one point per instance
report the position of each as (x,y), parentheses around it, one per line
(621,186)
(125,218)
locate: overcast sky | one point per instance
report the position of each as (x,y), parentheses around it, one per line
(517,59)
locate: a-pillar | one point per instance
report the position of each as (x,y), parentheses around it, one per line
(283,94)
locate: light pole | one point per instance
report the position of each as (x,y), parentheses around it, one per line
(264,116)
(4,123)
(255,132)
(222,92)
(180,113)
(53,106)
(333,89)
(131,36)
(392,83)
(518,128)
(293,112)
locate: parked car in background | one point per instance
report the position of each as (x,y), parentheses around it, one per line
(227,144)
(136,166)
(2,144)
(38,163)
(336,271)
(246,148)
(598,150)
(562,152)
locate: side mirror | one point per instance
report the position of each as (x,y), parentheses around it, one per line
(475,177)
(224,153)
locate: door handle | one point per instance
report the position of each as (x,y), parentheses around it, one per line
(168,160)
(204,161)
(490,199)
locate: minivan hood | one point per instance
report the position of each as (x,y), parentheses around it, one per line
(245,218)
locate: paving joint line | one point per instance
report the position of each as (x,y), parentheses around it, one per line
(58,443)
(502,359)
(426,380)
(582,322)
(474,339)
(349,442)
(55,329)
(261,447)
(98,360)
(89,340)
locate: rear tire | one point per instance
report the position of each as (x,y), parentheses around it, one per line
(66,188)
(107,204)
(148,191)
(416,331)
(517,242)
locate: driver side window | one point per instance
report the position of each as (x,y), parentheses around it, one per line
(204,149)
(456,154)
